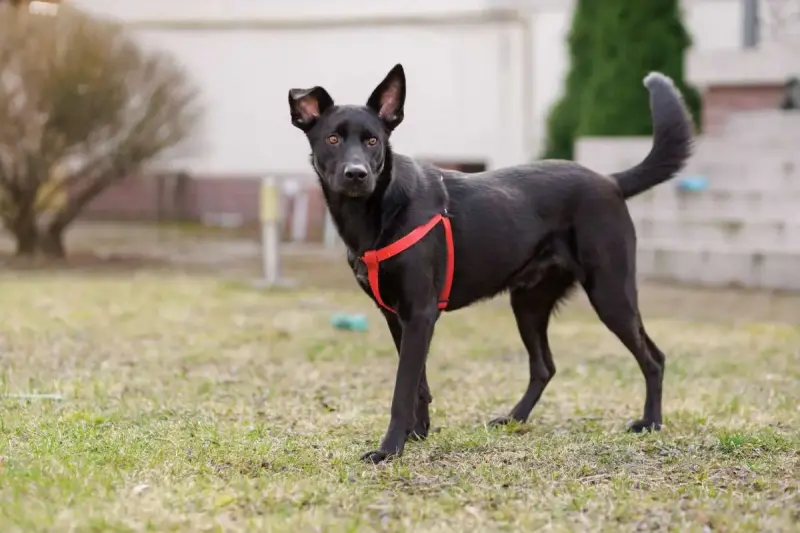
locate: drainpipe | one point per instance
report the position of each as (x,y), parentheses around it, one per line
(750,29)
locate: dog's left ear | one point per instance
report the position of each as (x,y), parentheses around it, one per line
(388,98)
(306,106)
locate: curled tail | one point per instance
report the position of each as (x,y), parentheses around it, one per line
(672,138)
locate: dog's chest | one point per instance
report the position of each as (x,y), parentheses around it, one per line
(359,269)
(387,284)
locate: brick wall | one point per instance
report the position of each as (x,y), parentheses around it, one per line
(720,101)
(190,199)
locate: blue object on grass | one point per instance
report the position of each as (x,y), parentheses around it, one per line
(693,183)
(350,322)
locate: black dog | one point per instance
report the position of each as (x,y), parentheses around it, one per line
(534,230)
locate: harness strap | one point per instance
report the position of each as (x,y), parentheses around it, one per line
(372,258)
(444,296)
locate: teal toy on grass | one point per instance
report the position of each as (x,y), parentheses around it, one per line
(350,322)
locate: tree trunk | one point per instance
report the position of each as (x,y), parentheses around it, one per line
(26,242)
(52,238)
(51,243)
(26,232)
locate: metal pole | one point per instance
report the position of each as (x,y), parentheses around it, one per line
(270,234)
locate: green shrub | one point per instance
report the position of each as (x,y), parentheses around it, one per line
(613,45)
(633,39)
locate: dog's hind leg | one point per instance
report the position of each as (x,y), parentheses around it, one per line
(611,288)
(423,419)
(423,423)
(532,308)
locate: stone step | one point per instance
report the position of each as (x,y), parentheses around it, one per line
(683,245)
(763,125)
(715,266)
(721,232)
(709,206)
(770,175)
(769,143)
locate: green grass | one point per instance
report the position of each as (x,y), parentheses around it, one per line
(196,405)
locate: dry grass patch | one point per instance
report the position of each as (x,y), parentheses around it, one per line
(193,405)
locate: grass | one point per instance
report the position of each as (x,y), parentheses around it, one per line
(192,404)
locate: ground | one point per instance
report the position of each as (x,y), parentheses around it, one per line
(190,401)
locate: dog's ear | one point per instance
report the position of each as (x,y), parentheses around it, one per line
(388,98)
(306,105)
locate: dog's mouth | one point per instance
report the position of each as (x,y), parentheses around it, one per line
(356,190)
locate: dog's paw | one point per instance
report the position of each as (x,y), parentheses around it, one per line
(418,435)
(501,421)
(641,426)
(420,431)
(378,456)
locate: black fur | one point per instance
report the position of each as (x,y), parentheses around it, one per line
(534,230)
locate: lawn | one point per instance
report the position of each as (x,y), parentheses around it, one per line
(193,404)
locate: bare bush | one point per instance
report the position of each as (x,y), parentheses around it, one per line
(81,105)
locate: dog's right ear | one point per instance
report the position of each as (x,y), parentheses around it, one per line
(306,106)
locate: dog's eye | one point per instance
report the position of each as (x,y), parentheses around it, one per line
(333,139)
(372,141)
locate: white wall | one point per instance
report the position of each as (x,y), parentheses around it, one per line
(551,61)
(294,10)
(714,24)
(463,74)
(456,86)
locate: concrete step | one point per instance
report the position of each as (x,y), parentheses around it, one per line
(749,204)
(731,232)
(768,268)
(763,125)
(683,245)
(737,173)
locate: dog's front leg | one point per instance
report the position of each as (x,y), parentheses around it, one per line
(416,338)
(424,399)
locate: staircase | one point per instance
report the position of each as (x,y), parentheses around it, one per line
(743,227)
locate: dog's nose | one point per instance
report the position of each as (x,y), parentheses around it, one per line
(355,172)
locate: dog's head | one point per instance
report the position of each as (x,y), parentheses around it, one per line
(350,144)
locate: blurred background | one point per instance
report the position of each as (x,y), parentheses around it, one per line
(137,133)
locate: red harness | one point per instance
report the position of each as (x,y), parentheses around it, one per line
(372,258)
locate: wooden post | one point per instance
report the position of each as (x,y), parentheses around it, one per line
(269,213)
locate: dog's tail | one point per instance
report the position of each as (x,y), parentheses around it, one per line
(672,138)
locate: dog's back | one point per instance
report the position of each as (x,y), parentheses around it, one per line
(517,213)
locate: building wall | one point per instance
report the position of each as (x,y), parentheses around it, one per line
(736,77)
(462,69)
(482,76)
(474,52)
